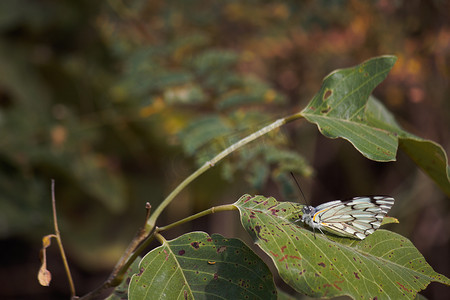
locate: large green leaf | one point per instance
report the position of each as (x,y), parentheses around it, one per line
(338,108)
(196,265)
(385,265)
(427,154)
(343,108)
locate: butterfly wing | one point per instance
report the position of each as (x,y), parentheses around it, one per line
(357,217)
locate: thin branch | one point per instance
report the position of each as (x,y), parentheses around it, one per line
(209,164)
(60,245)
(209,211)
(147,233)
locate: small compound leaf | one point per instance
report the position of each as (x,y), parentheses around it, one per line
(196,265)
(202,131)
(338,108)
(384,265)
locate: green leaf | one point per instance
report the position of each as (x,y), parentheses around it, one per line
(343,108)
(338,108)
(200,266)
(428,155)
(389,220)
(121,291)
(384,265)
(282,295)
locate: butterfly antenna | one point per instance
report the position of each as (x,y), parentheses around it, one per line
(298,185)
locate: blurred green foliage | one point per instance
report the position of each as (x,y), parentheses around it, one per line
(120,100)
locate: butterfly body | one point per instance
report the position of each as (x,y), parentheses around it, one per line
(356,218)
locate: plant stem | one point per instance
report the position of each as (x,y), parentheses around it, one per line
(209,164)
(60,245)
(198,215)
(160,239)
(147,233)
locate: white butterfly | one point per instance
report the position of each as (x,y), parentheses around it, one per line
(355,218)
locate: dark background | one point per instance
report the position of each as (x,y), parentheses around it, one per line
(98,96)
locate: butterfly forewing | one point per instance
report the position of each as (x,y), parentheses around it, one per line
(357,217)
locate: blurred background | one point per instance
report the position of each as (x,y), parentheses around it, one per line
(120,100)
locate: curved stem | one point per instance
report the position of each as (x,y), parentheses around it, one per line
(209,164)
(160,239)
(59,242)
(198,215)
(147,233)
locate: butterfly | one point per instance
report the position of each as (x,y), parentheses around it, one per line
(356,218)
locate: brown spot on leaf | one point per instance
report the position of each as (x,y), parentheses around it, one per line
(195,245)
(221,249)
(325,110)
(181,252)
(167,255)
(322,264)
(336,286)
(402,286)
(356,275)
(283,258)
(327,94)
